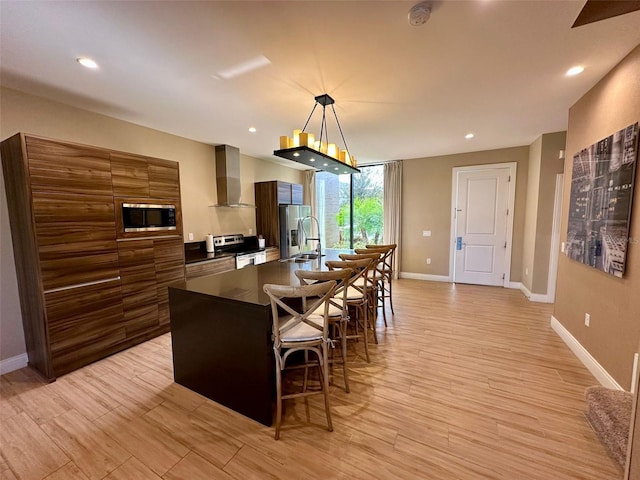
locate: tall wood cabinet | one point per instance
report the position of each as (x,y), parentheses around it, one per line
(269,196)
(87,289)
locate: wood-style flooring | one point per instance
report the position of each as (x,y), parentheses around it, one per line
(467,382)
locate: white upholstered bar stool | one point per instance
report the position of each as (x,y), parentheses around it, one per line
(300,328)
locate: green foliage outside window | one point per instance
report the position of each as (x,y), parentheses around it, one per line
(367,209)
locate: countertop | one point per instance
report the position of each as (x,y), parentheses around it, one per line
(245,285)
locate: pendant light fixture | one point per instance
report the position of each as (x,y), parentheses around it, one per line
(319,154)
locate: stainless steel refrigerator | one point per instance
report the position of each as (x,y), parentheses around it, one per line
(291,232)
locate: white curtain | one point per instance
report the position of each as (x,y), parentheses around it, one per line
(309,189)
(393,208)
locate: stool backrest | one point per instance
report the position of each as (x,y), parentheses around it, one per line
(341,277)
(311,296)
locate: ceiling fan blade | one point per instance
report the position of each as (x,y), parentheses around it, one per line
(596,10)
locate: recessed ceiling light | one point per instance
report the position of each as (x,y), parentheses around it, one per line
(335,168)
(296,154)
(253,129)
(312,159)
(574,71)
(469,136)
(325,164)
(87,62)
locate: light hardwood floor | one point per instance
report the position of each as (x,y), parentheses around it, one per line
(467,383)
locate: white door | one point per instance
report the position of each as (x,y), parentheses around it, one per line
(483,205)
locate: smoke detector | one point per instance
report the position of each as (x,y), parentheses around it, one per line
(419,14)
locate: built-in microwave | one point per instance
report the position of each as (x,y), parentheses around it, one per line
(146,217)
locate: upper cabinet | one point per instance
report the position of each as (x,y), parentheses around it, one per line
(142,177)
(287,193)
(130,176)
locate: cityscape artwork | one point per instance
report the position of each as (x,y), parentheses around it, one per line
(600,205)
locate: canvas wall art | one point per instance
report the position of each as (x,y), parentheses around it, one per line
(601,197)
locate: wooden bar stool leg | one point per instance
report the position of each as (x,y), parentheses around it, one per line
(343,348)
(278,395)
(324,363)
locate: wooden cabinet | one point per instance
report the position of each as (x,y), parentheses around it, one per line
(269,196)
(210,267)
(84,291)
(272,254)
(139,290)
(130,176)
(84,322)
(169,265)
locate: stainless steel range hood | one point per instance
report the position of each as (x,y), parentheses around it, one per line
(228,177)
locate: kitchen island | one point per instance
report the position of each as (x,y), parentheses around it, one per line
(221,335)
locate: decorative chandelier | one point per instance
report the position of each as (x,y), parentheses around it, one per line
(320,154)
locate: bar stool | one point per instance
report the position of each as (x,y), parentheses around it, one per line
(383,274)
(338,314)
(358,292)
(301,329)
(371,286)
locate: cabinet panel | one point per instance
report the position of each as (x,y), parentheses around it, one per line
(130,176)
(169,265)
(64,218)
(211,267)
(297,195)
(272,254)
(164,179)
(139,290)
(82,322)
(66,264)
(64,168)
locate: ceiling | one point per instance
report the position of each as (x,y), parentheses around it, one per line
(491,67)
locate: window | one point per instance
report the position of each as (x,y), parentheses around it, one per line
(350,208)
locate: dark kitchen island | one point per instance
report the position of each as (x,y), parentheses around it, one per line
(221,335)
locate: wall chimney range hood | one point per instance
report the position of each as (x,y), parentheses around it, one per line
(228,177)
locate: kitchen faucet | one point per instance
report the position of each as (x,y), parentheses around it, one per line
(306,240)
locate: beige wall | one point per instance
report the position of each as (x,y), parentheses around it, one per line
(614,303)
(29,114)
(531,213)
(550,166)
(426,203)
(544,165)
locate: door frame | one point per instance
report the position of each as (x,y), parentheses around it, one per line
(555,239)
(512,166)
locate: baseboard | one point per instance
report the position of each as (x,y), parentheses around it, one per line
(534,297)
(425,276)
(516,285)
(14,363)
(584,356)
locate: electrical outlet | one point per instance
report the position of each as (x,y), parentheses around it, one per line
(587,319)
(526,270)
(428,261)
(191,237)
(561,247)
(426,233)
(251,231)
